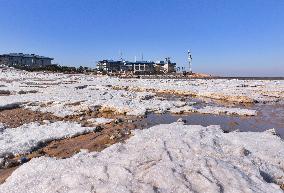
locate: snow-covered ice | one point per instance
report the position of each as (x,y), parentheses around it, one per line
(2,162)
(101,120)
(226,110)
(214,110)
(164,158)
(63,94)
(27,137)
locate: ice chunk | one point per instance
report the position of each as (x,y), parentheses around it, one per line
(226,110)
(27,137)
(101,120)
(164,158)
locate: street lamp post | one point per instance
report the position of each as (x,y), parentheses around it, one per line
(189,61)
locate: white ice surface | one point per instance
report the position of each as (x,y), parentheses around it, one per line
(25,138)
(57,92)
(101,120)
(2,162)
(214,110)
(226,110)
(166,158)
(231,90)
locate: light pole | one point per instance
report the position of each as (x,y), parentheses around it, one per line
(189,61)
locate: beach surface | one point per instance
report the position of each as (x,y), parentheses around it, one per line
(86,133)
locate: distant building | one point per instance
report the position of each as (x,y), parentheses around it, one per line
(28,60)
(165,66)
(139,67)
(136,67)
(109,65)
(124,66)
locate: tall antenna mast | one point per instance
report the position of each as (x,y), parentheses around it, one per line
(121,56)
(142,57)
(189,61)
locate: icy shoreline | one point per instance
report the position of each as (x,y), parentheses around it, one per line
(164,158)
(64,95)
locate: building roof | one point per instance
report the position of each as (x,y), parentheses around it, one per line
(143,62)
(110,61)
(26,56)
(139,62)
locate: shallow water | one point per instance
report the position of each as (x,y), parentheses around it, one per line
(269,116)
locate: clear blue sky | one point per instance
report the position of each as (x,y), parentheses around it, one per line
(227,37)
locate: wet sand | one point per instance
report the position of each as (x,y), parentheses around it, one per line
(5,173)
(16,117)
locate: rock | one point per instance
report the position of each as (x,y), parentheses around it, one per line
(125,131)
(81,87)
(11,163)
(2,127)
(272,131)
(180,120)
(9,155)
(98,129)
(118,120)
(22,92)
(242,151)
(23,160)
(5,92)
(95,108)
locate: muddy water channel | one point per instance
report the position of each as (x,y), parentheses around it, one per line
(268,116)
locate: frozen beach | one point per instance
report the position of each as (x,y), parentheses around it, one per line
(85,133)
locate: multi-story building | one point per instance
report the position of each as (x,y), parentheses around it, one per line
(109,65)
(28,60)
(165,66)
(136,67)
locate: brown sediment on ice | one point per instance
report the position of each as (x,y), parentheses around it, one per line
(235,99)
(5,173)
(108,134)
(95,141)
(16,117)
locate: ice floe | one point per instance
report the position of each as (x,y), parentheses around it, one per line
(164,158)
(101,120)
(226,110)
(28,137)
(213,110)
